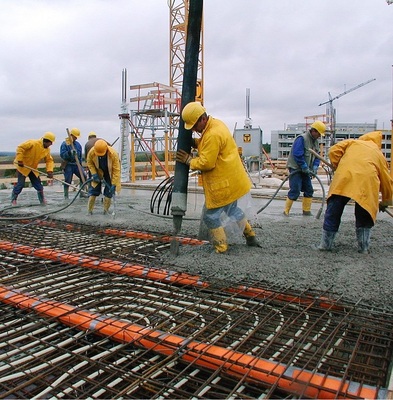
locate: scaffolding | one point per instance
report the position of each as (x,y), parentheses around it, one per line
(153,122)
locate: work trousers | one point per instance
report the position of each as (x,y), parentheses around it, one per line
(212,217)
(35,181)
(299,182)
(334,212)
(70,170)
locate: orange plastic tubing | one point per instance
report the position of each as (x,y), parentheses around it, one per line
(132,234)
(107,265)
(289,379)
(159,274)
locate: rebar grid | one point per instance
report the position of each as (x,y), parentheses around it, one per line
(42,357)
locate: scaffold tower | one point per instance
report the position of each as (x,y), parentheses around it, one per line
(154,113)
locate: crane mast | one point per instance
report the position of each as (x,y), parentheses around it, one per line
(331,111)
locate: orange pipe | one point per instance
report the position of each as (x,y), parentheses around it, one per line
(251,368)
(158,274)
(108,265)
(132,234)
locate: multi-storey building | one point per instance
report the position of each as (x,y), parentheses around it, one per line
(282,140)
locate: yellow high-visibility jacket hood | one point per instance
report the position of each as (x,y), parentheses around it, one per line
(361,171)
(113,167)
(224,178)
(31,153)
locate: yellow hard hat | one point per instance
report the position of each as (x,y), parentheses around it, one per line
(100,147)
(320,127)
(191,113)
(75,132)
(49,136)
(91,135)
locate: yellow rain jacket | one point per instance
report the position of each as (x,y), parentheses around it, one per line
(31,153)
(113,167)
(361,171)
(224,178)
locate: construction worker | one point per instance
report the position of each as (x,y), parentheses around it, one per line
(104,165)
(301,163)
(361,173)
(91,139)
(28,155)
(224,178)
(71,154)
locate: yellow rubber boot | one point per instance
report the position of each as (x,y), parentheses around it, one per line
(107,204)
(90,204)
(250,236)
(219,239)
(288,206)
(307,206)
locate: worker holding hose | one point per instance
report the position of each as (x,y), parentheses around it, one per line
(361,173)
(301,164)
(104,165)
(28,155)
(71,155)
(224,178)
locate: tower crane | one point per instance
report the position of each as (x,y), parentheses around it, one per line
(331,111)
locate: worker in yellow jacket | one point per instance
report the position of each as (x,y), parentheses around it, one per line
(361,173)
(29,154)
(104,165)
(224,178)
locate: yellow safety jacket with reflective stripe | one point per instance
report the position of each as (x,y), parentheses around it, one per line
(113,167)
(224,178)
(31,153)
(361,171)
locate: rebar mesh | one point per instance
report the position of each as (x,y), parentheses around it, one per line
(40,356)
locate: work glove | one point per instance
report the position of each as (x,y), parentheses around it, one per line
(20,164)
(315,170)
(96,178)
(306,171)
(183,157)
(113,190)
(73,153)
(50,174)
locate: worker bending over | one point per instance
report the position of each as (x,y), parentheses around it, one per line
(29,154)
(301,163)
(224,178)
(361,172)
(104,165)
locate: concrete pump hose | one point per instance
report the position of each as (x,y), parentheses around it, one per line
(319,213)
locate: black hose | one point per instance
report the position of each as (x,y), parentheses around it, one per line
(319,213)
(49,212)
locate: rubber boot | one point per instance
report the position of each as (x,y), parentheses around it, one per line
(288,206)
(326,241)
(65,190)
(363,236)
(13,199)
(250,236)
(90,204)
(107,204)
(307,201)
(219,240)
(41,198)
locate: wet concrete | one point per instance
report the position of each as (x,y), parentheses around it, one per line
(285,258)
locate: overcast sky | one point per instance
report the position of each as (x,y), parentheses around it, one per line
(61,62)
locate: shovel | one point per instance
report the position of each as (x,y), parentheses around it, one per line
(43,173)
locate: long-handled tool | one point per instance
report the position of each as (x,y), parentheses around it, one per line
(321,158)
(80,169)
(43,173)
(388,212)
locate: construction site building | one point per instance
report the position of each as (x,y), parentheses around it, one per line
(282,140)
